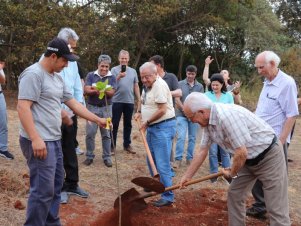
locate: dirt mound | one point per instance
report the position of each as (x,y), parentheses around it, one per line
(197,207)
(11,182)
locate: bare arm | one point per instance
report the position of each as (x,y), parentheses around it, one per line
(26,119)
(299,101)
(91,91)
(176,93)
(83,112)
(179,103)
(137,93)
(2,75)
(158,114)
(287,128)
(197,161)
(239,160)
(206,71)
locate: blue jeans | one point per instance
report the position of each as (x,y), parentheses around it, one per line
(3,124)
(213,160)
(182,124)
(127,110)
(159,138)
(91,130)
(46,181)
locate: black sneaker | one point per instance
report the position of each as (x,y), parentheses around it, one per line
(255,213)
(88,162)
(7,155)
(108,163)
(78,191)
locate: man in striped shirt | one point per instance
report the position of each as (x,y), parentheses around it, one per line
(277,106)
(257,154)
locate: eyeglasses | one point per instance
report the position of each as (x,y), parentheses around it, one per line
(190,118)
(260,67)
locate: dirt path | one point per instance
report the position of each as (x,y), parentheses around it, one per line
(101,183)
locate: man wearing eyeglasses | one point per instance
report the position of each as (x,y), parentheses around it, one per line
(100,107)
(277,105)
(256,150)
(158,119)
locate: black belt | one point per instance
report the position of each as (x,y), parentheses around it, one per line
(255,161)
(166,120)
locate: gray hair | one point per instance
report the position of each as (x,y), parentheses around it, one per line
(272,56)
(67,33)
(124,52)
(148,65)
(104,58)
(196,101)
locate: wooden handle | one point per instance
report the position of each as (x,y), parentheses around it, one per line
(150,194)
(148,152)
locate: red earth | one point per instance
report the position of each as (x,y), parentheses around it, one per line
(195,207)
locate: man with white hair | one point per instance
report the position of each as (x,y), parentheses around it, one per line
(277,105)
(257,154)
(72,80)
(158,118)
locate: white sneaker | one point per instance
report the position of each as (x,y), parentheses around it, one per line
(78,151)
(64,197)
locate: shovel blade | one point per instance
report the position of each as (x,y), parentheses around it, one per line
(131,200)
(149,183)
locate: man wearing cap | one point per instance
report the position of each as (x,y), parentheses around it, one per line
(41,91)
(100,107)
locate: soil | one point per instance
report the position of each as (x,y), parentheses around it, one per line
(197,205)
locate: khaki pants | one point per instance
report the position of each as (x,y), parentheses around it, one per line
(271,171)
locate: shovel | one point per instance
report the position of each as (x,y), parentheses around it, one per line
(133,200)
(149,183)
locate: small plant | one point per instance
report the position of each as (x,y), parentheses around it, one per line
(102,87)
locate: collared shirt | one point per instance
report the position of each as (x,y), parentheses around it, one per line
(72,81)
(278,101)
(232,126)
(186,90)
(158,94)
(94,77)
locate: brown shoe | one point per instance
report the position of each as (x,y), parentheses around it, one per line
(129,150)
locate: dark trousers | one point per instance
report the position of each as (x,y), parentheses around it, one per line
(69,154)
(127,110)
(257,190)
(75,130)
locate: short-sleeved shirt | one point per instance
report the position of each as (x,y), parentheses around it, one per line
(172,82)
(278,101)
(47,91)
(232,126)
(158,94)
(125,86)
(186,90)
(225,98)
(94,77)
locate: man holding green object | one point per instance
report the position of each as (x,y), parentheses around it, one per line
(102,107)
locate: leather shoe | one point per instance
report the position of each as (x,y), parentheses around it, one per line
(108,163)
(88,162)
(162,202)
(129,150)
(252,212)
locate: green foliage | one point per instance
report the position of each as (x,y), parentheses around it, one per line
(182,31)
(102,87)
